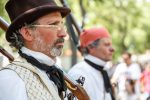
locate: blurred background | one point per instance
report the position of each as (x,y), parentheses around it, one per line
(127,21)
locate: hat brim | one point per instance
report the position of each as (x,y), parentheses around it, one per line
(31,15)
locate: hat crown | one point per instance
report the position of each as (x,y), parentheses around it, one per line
(90,35)
(27,11)
(15,8)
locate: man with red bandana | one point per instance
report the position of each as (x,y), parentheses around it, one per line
(96,46)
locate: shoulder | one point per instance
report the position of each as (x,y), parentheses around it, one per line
(120,67)
(135,65)
(80,67)
(9,78)
(8,74)
(22,66)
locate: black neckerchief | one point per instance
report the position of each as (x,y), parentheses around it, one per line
(106,79)
(55,74)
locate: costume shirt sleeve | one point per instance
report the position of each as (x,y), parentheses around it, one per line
(12,86)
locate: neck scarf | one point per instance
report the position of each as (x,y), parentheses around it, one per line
(55,74)
(106,79)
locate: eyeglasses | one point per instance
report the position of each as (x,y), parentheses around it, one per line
(50,26)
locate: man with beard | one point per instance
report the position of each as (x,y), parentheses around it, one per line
(37,31)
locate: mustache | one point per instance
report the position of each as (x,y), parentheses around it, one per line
(61,40)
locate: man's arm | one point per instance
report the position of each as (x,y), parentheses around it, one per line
(12,86)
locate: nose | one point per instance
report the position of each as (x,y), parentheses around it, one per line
(112,49)
(62,32)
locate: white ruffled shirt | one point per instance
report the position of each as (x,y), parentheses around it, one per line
(94,83)
(9,80)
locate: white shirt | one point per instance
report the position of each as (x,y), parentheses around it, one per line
(94,84)
(10,81)
(123,72)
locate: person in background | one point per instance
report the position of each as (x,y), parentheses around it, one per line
(145,82)
(37,32)
(129,93)
(127,70)
(96,46)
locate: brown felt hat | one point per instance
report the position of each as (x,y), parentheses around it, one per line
(27,11)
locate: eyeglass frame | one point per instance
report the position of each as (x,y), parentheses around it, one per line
(59,26)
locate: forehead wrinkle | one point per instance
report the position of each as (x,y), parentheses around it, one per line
(52,17)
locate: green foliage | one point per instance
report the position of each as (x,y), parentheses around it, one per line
(3,12)
(126,20)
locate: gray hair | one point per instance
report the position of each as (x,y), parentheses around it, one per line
(94,44)
(17,38)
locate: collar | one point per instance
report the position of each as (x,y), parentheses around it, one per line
(95,60)
(42,58)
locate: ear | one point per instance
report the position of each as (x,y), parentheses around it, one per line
(91,49)
(26,33)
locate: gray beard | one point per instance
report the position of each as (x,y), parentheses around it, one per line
(56,51)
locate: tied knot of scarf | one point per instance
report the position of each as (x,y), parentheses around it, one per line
(55,74)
